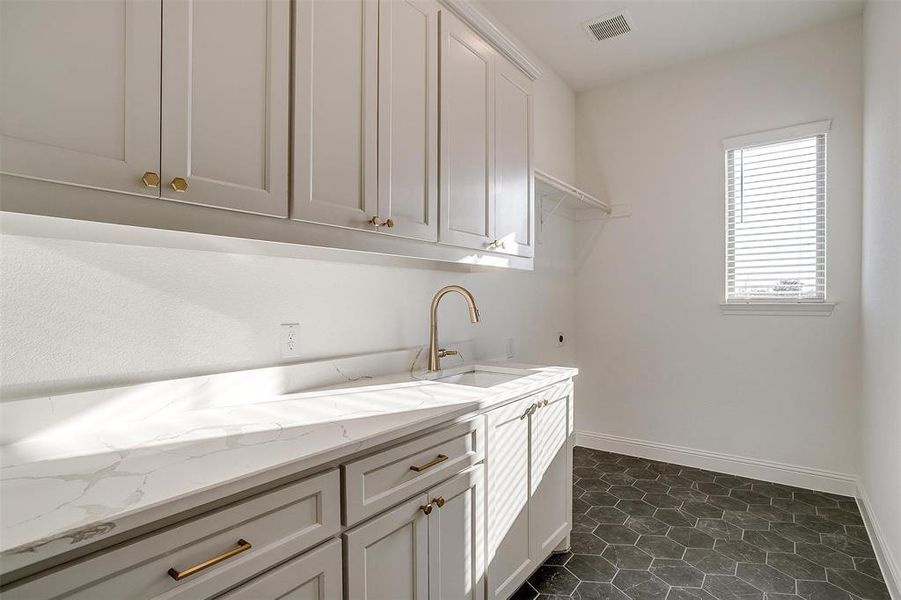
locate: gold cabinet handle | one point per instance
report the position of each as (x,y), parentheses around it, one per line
(439,501)
(426,508)
(438,459)
(376,222)
(150,179)
(179,184)
(243,546)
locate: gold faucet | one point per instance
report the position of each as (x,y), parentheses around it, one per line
(435,355)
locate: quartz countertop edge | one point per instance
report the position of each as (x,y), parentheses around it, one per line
(60,491)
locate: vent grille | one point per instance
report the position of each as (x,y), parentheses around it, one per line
(608,26)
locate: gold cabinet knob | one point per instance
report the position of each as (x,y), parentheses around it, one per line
(426,508)
(376,222)
(495,244)
(151,179)
(179,184)
(439,501)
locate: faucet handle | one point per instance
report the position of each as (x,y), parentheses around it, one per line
(442,353)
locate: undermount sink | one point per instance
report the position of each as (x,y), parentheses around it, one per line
(479,378)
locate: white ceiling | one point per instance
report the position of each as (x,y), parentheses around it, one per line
(664,32)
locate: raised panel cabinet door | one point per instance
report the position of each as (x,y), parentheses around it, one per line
(456,538)
(509,546)
(408,117)
(336,112)
(466,194)
(80,92)
(387,557)
(551,511)
(315,575)
(226,80)
(514,204)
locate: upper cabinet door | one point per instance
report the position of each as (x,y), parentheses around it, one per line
(513,182)
(467,136)
(335,112)
(408,117)
(79,92)
(225,104)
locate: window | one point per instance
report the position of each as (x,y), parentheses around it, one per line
(776,216)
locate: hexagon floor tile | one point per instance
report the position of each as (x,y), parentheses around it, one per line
(656,531)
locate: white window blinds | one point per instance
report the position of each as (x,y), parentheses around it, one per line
(776,216)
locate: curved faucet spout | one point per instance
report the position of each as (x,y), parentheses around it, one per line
(434,352)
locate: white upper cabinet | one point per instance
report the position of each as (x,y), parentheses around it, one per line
(335,112)
(377,117)
(225,90)
(467,136)
(80,92)
(514,204)
(408,118)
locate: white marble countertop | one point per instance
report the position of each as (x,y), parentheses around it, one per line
(106,462)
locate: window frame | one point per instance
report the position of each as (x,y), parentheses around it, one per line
(774,305)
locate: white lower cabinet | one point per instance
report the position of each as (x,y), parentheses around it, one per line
(388,557)
(459,522)
(428,547)
(456,538)
(528,461)
(315,575)
(551,460)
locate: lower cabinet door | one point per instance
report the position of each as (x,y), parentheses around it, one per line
(456,538)
(387,557)
(510,549)
(550,511)
(315,575)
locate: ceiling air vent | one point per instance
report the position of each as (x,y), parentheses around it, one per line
(608,26)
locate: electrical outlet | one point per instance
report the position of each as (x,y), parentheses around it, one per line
(510,349)
(561,339)
(290,343)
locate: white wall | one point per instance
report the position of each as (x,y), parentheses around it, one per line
(880,468)
(660,362)
(78,315)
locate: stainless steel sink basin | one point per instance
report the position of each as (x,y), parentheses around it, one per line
(479,378)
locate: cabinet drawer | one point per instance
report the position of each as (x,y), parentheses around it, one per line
(250,536)
(379,481)
(315,575)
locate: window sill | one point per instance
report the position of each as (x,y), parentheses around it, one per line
(795,309)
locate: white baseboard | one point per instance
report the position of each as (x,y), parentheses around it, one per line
(804,477)
(891,570)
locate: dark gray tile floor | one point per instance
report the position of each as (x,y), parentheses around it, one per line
(646,530)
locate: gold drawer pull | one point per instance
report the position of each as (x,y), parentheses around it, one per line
(438,459)
(242,546)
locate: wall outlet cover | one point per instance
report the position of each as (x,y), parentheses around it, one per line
(290,340)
